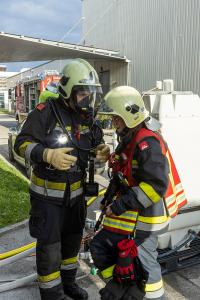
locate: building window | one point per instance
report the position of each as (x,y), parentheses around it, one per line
(1,100)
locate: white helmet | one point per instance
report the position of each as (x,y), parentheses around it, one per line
(126,102)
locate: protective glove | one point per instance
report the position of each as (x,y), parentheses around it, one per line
(112,291)
(124,270)
(133,293)
(59,158)
(102,152)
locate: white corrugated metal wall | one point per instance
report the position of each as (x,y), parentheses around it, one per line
(160,37)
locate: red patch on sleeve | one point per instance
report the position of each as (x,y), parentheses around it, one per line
(40,106)
(143,145)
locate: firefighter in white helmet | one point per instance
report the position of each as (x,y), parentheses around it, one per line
(134,204)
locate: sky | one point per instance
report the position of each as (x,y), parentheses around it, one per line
(47,19)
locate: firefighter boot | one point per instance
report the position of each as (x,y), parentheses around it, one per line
(53,293)
(71,288)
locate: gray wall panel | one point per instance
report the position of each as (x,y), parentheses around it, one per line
(160,37)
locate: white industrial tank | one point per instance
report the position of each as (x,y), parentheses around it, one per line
(179,114)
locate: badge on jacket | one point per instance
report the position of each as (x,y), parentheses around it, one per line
(143,145)
(40,106)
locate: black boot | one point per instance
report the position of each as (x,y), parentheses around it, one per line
(54,293)
(75,292)
(71,288)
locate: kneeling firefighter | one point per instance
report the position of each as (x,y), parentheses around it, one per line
(58,138)
(144,193)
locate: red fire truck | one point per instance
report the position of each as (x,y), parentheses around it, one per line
(28,90)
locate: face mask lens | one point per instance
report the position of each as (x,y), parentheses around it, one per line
(84,103)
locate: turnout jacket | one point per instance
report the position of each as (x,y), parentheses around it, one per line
(147,170)
(42,130)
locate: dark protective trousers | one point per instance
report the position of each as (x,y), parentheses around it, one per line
(58,230)
(104,253)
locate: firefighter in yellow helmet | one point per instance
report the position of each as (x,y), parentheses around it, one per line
(134,208)
(58,139)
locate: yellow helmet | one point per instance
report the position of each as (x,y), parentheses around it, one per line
(126,102)
(78,74)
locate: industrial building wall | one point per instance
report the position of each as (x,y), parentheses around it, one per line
(118,71)
(160,37)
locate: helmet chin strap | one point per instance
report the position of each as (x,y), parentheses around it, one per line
(128,132)
(123,133)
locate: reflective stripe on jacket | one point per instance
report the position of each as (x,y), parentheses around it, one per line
(124,223)
(57,190)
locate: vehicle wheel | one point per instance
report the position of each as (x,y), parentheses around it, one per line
(10,153)
(28,169)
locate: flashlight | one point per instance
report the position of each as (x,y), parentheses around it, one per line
(62,139)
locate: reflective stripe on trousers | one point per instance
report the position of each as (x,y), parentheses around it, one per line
(49,281)
(69,263)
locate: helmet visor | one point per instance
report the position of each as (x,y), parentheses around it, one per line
(87,97)
(104,109)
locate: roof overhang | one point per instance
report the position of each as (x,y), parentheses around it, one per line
(19,48)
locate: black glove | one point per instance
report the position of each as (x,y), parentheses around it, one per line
(133,293)
(112,291)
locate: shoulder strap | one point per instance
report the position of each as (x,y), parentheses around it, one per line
(58,117)
(143,132)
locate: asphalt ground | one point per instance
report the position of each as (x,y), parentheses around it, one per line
(179,285)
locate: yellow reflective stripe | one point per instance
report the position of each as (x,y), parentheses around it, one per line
(121,221)
(134,162)
(22,148)
(153,220)
(46,278)
(107,273)
(74,186)
(152,287)
(119,224)
(170,171)
(69,261)
(149,191)
(83,127)
(48,184)
(130,215)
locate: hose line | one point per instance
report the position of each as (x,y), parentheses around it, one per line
(17,250)
(92,199)
(16,257)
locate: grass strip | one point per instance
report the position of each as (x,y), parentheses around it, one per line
(14,196)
